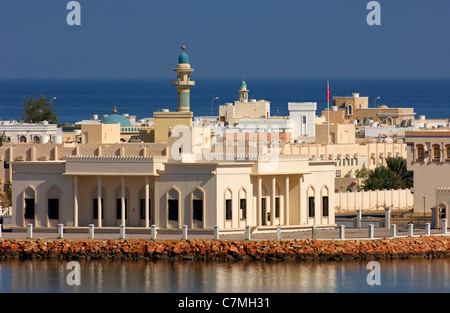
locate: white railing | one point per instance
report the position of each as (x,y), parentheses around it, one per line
(114,159)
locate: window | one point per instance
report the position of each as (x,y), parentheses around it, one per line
(311,206)
(29,203)
(277,206)
(243,208)
(172,204)
(119,209)
(142,209)
(304,119)
(197,207)
(228,209)
(29,208)
(95,208)
(173,209)
(53,209)
(350,110)
(325,206)
(436,153)
(197,204)
(447,154)
(420,152)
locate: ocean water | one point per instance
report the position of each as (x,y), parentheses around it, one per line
(80,99)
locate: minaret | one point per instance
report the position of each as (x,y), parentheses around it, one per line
(243,92)
(183,82)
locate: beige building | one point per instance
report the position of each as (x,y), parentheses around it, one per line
(350,104)
(349,157)
(245,108)
(138,191)
(429,158)
(335,133)
(356,108)
(100,133)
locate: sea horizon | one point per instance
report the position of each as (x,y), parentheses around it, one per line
(80,98)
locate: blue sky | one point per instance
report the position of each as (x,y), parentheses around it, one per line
(251,38)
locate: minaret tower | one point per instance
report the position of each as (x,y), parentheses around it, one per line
(183,82)
(243,92)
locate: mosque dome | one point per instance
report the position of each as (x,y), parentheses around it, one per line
(243,85)
(115,118)
(183,58)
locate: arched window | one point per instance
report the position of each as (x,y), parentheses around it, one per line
(228,204)
(420,152)
(22,139)
(447,152)
(197,205)
(349,109)
(277,202)
(311,202)
(30,201)
(265,216)
(325,202)
(436,153)
(53,204)
(172,204)
(243,203)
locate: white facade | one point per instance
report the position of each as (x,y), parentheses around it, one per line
(290,191)
(303,115)
(15,132)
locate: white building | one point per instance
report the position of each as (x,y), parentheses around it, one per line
(303,115)
(43,132)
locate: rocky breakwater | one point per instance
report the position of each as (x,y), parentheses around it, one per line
(223,250)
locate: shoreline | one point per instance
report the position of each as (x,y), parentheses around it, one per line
(425,247)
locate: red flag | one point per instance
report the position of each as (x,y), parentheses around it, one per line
(328,93)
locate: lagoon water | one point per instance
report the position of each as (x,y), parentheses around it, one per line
(406,276)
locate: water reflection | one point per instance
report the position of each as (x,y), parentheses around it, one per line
(118,276)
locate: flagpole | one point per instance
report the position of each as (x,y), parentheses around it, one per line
(328,104)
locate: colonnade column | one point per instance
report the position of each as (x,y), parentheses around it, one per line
(258,205)
(286,202)
(122,199)
(75,201)
(99,201)
(272,205)
(147,197)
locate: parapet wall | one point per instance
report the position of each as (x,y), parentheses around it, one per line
(223,250)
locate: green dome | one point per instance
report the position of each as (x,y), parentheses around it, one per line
(183,58)
(114,119)
(243,85)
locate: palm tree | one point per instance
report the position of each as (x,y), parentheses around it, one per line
(394,176)
(398,165)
